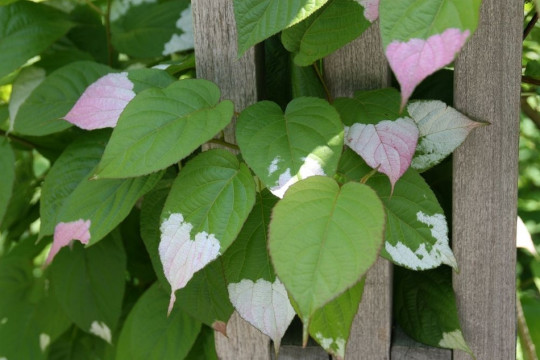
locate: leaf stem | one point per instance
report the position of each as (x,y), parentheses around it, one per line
(524,333)
(529,80)
(18,139)
(110,49)
(224,143)
(94,7)
(326,90)
(530,25)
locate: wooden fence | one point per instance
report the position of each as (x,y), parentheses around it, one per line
(485,168)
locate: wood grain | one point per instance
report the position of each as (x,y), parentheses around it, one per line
(487,87)
(405,348)
(293,352)
(361,66)
(216,60)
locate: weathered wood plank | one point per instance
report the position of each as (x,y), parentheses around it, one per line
(296,352)
(487,87)
(216,56)
(405,348)
(361,65)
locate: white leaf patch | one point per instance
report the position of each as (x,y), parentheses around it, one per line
(337,345)
(310,167)
(264,305)
(454,340)
(442,129)
(28,79)
(183,41)
(120,7)
(273,165)
(181,256)
(422,259)
(44,341)
(101,330)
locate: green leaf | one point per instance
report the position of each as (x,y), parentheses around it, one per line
(89,283)
(322,240)
(16,282)
(72,168)
(533,69)
(42,113)
(183,116)
(149,333)
(425,307)
(7,164)
(75,344)
(416,234)
(369,107)
(424,18)
(148,78)
(152,29)
(247,257)
(305,82)
(105,203)
(257,20)
(28,28)
(330,28)
(331,324)
(204,348)
(283,148)
(90,34)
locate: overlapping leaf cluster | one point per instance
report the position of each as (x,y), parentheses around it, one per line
(155,242)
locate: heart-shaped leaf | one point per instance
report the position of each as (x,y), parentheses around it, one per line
(323,238)
(160,127)
(284,148)
(257,20)
(331,324)
(425,307)
(148,333)
(28,28)
(42,112)
(416,233)
(442,129)
(89,283)
(317,36)
(425,40)
(207,205)
(263,304)
(387,146)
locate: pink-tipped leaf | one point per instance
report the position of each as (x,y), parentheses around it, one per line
(387,146)
(371,9)
(102,102)
(66,233)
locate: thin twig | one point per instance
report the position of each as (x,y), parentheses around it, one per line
(18,139)
(530,25)
(326,90)
(523,331)
(529,80)
(110,49)
(224,143)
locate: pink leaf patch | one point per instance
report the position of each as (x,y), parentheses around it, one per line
(181,256)
(388,146)
(264,305)
(65,233)
(414,60)
(371,9)
(102,102)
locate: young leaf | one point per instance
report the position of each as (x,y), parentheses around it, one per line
(182,116)
(369,107)
(148,333)
(442,129)
(42,113)
(387,146)
(283,148)
(151,28)
(72,167)
(89,284)
(425,307)
(330,28)
(323,238)
(208,203)
(28,28)
(257,20)
(425,40)
(416,233)
(7,164)
(331,324)
(258,296)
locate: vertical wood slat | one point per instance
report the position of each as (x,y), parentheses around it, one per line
(487,87)
(405,348)
(362,65)
(217,60)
